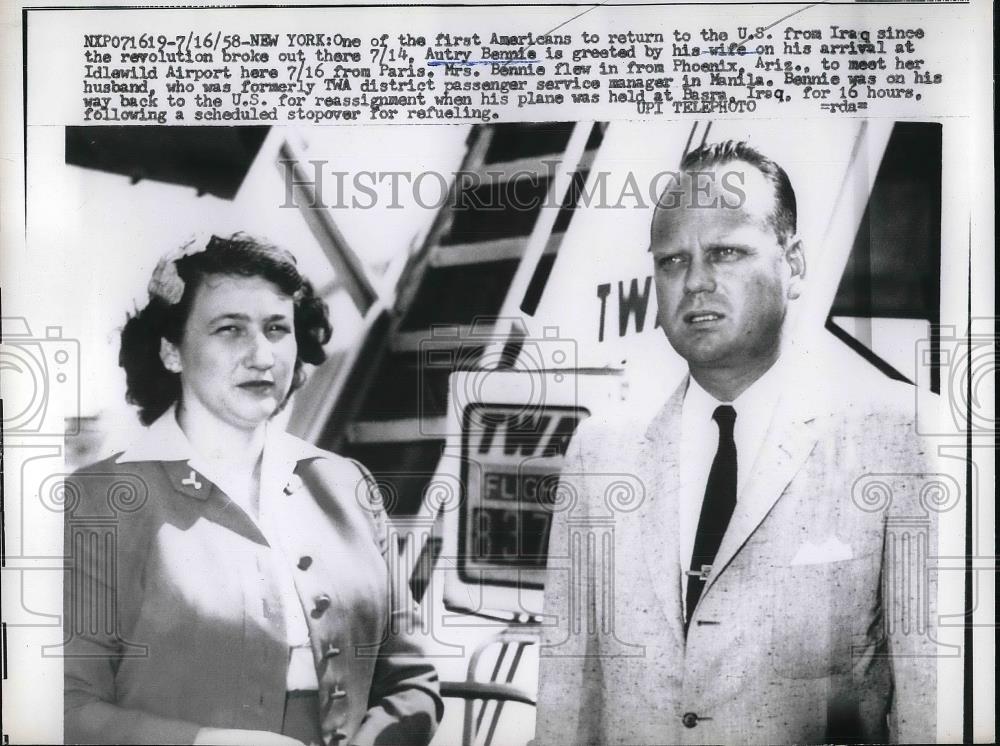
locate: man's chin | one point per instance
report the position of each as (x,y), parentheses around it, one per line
(705,351)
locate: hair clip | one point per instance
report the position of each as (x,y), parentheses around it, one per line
(166,284)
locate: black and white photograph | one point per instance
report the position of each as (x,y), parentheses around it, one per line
(657,417)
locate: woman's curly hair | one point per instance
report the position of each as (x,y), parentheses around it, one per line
(152,387)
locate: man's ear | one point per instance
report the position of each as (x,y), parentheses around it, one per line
(796,259)
(170,356)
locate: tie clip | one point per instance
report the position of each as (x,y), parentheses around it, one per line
(701,574)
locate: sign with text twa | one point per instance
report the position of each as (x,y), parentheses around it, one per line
(508,433)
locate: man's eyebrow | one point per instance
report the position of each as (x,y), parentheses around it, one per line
(730,245)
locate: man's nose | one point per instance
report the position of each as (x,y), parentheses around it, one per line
(260,355)
(699,277)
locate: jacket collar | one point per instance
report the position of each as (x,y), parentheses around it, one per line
(659,465)
(165,442)
(663,425)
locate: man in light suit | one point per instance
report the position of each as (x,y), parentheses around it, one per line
(764,580)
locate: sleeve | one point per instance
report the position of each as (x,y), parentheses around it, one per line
(405,705)
(569,674)
(103,580)
(910,587)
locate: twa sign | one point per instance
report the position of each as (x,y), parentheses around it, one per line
(505,447)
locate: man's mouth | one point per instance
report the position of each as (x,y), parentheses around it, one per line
(258,387)
(703,317)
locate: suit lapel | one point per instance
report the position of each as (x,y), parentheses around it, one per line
(660,469)
(790,439)
(218,507)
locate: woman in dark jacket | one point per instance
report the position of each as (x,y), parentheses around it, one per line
(228,581)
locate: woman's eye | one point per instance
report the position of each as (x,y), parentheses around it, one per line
(279,329)
(228,330)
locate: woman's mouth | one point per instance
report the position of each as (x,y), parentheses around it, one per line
(260,388)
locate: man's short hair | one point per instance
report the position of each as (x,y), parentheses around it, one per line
(784,217)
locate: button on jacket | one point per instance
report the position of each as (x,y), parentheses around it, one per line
(175,613)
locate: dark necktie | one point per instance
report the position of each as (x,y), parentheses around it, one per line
(716,509)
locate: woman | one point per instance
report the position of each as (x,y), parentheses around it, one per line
(229,582)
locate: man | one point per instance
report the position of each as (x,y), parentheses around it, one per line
(750,592)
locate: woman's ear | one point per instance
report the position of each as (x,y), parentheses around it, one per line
(170,356)
(796,259)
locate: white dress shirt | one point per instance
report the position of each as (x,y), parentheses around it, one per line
(700,441)
(165,441)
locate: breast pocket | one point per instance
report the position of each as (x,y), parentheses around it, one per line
(825,616)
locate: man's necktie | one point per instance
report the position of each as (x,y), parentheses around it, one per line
(716,509)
